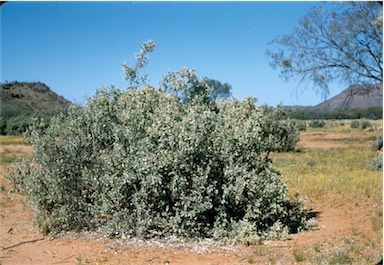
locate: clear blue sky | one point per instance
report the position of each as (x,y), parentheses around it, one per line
(75,47)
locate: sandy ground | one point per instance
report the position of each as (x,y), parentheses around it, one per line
(21,243)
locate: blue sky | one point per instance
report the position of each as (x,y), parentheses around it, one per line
(75,47)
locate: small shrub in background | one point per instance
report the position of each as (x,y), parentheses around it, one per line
(317,124)
(364,124)
(301,125)
(340,256)
(378,162)
(155,162)
(355,124)
(279,132)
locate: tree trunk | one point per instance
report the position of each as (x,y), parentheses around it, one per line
(378,144)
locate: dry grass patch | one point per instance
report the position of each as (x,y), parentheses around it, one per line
(319,173)
(9,139)
(344,187)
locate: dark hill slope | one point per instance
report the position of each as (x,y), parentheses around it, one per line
(26,98)
(355,97)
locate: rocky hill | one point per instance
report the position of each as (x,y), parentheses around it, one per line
(355,97)
(27,98)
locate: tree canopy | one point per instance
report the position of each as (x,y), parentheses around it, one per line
(328,45)
(218,89)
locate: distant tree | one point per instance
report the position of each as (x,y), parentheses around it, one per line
(193,88)
(187,86)
(344,45)
(217,89)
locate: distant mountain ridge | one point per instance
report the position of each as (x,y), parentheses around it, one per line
(35,97)
(355,97)
(28,98)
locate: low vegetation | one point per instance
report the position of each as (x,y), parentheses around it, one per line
(342,178)
(321,172)
(372,113)
(18,125)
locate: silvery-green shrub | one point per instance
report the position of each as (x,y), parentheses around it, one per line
(355,124)
(317,124)
(279,132)
(155,162)
(365,124)
(378,162)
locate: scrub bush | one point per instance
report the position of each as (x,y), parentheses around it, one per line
(278,131)
(378,162)
(317,124)
(364,124)
(355,124)
(146,162)
(301,125)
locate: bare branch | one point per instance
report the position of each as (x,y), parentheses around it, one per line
(326,45)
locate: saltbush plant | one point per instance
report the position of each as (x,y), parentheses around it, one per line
(355,124)
(378,162)
(317,124)
(155,162)
(277,130)
(362,124)
(301,125)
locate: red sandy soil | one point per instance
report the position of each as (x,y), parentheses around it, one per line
(334,140)
(341,226)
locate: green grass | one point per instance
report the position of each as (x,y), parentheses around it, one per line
(8,158)
(298,255)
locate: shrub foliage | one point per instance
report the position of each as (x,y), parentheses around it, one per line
(145,162)
(278,130)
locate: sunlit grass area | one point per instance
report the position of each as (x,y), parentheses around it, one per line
(319,173)
(341,178)
(9,139)
(7,153)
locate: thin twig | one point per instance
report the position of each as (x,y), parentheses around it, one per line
(64,260)
(23,242)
